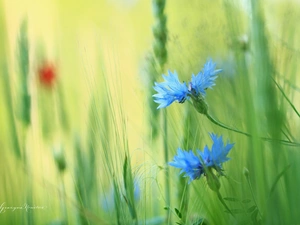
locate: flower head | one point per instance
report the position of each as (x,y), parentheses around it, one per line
(204,79)
(218,153)
(195,165)
(189,163)
(170,90)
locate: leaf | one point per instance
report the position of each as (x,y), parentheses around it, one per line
(231,199)
(125,199)
(245,201)
(125,172)
(245,222)
(237,211)
(160,167)
(286,97)
(129,197)
(254,216)
(178,213)
(200,221)
(278,178)
(251,209)
(179,223)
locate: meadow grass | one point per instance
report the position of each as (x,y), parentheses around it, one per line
(91,147)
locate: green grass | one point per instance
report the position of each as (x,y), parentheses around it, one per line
(81,149)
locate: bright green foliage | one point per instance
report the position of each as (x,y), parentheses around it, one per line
(98,110)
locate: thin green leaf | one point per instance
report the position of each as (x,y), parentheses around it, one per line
(201,221)
(251,209)
(245,201)
(245,222)
(237,211)
(286,97)
(278,178)
(254,216)
(128,184)
(231,199)
(178,213)
(125,172)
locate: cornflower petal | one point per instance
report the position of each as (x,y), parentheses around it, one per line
(217,155)
(219,151)
(189,164)
(170,90)
(206,156)
(204,79)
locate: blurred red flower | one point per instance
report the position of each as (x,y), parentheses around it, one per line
(47,74)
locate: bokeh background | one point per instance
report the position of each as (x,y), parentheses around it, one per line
(82,141)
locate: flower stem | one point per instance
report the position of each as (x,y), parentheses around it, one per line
(253,197)
(285,96)
(62,199)
(225,126)
(223,203)
(166,156)
(160,52)
(286,142)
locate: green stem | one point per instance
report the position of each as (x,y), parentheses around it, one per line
(285,96)
(184,198)
(10,114)
(223,203)
(253,197)
(166,157)
(63,200)
(290,143)
(225,126)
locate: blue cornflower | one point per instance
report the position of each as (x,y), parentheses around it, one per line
(204,79)
(170,90)
(189,163)
(218,153)
(195,165)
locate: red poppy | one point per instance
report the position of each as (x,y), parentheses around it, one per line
(47,74)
